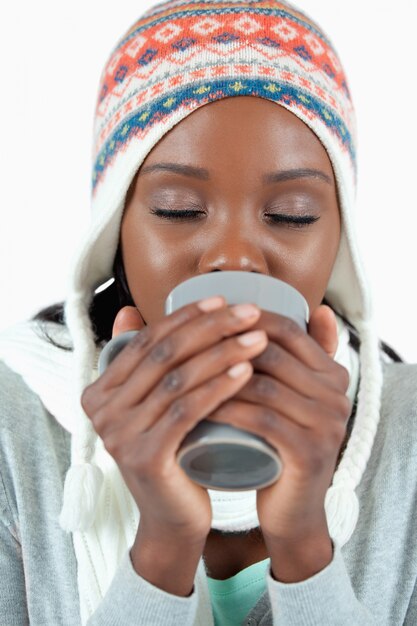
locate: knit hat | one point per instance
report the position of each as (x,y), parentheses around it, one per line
(178,57)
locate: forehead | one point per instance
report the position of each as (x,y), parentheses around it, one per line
(248,131)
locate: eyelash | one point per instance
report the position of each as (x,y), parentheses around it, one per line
(277,218)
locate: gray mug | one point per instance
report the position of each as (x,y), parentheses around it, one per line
(214,455)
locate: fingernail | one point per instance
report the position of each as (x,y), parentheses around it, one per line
(249,339)
(239,370)
(211,304)
(244,311)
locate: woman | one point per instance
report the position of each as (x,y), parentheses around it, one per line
(224,140)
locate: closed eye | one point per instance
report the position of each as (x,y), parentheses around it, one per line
(292,221)
(177,215)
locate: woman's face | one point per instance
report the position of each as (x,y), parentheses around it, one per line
(241,167)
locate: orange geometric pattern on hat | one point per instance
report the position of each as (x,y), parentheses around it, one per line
(186,54)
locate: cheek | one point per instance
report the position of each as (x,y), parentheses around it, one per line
(140,248)
(310,265)
(153,267)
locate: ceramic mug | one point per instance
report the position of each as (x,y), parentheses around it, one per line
(214,455)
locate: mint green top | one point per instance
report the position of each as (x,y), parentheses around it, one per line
(233,598)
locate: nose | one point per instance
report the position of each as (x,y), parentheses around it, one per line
(233,250)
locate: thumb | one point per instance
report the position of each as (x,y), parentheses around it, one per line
(322,327)
(128,318)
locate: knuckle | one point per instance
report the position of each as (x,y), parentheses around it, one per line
(263,386)
(227,322)
(186,313)
(178,410)
(345,407)
(268,419)
(140,340)
(162,351)
(339,408)
(162,469)
(325,444)
(217,351)
(317,451)
(272,355)
(332,439)
(209,320)
(336,435)
(87,400)
(113,444)
(215,324)
(128,452)
(316,460)
(211,386)
(100,418)
(224,410)
(290,328)
(173,381)
(340,433)
(342,376)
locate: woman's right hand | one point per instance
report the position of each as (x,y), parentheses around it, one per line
(169,377)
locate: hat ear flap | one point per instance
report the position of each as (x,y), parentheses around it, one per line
(84,479)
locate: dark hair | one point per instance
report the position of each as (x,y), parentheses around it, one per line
(103,309)
(106,304)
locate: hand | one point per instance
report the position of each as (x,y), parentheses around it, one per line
(168,378)
(296,400)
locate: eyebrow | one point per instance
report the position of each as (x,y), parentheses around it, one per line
(176,168)
(203,174)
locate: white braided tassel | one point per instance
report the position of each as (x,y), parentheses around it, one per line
(84,480)
(81,493)
(341,503)
(342,509)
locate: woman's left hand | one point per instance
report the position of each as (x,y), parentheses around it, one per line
(296,400)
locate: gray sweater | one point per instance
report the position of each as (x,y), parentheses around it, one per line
(370,581)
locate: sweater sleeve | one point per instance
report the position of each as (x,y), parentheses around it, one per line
(13,606)
(131,599)
(325,598)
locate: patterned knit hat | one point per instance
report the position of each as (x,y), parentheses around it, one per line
(178,57)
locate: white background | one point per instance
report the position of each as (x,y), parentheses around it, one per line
(51,57)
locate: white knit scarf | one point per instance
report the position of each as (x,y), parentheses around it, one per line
(47,371)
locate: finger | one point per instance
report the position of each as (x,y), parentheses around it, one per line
(169,428)
(127,359)
(125,362)
(151,362)
(307,412)
(284,435)
(182,344)
(203,367)
(283,366)
(300,449)
(128,318)
(288,334)
(185,413)
(322,327)
(180,381)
